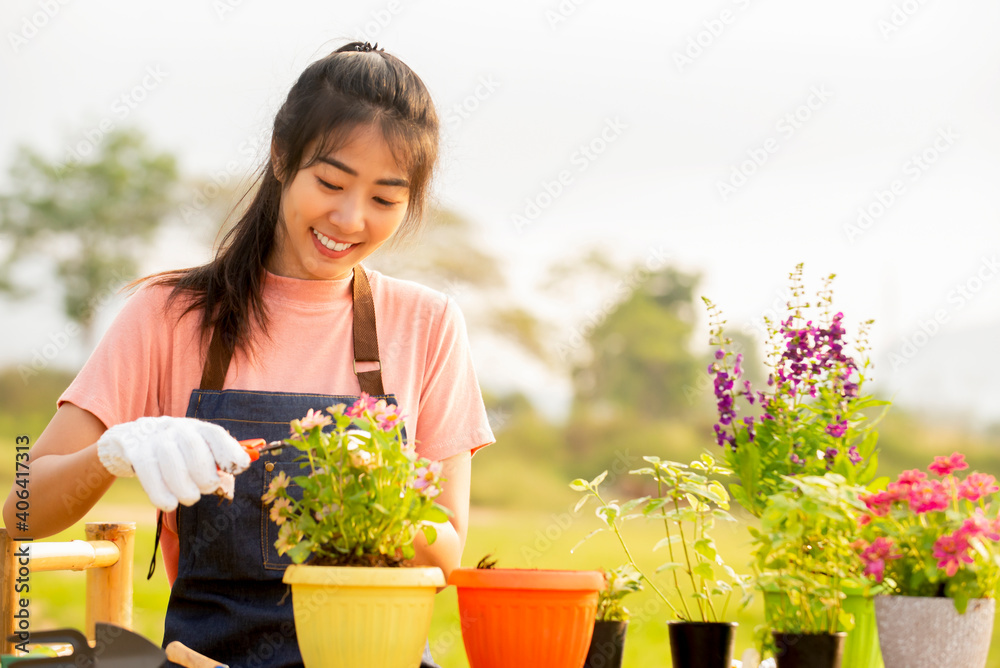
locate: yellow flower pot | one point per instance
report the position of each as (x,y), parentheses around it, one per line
(355,616)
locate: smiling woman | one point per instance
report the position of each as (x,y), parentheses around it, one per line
(281,322)
(339,210)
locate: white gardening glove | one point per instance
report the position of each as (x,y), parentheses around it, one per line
(176,459)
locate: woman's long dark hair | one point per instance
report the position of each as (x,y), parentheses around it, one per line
(354,86)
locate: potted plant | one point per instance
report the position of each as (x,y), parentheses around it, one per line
(346,522)
(688,502)
(933,541)
(526,617)
(812,417)
(805,550)
(607,645)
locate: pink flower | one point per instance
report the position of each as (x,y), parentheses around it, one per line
(946,465)
(314,419)
(364,403)
(950,551)
(386,416)
(276,515)
(875,556)
(928,496)
(878,503)
(911,477)
(426,478)
(864,519)
(980,526)
(977,486)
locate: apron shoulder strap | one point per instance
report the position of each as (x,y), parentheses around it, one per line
(365,335)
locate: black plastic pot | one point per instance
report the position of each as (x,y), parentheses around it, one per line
(702,644)
(607,645)
(809,650)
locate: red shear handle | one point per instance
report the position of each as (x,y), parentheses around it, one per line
(252,447)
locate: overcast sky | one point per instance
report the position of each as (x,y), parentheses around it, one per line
(735,137)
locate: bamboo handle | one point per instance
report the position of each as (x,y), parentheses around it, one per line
(180,653)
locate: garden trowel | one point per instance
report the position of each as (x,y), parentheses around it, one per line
(115,647)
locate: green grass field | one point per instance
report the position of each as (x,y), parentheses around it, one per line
(522,539)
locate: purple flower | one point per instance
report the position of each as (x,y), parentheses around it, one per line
(720,353)
(797,460)
(854,455)
(837,429)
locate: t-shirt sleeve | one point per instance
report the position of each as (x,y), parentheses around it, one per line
(452,414)
(122,379)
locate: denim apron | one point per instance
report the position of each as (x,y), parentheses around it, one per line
(228,601)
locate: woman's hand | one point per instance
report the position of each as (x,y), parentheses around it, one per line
(446,551)
(175,459)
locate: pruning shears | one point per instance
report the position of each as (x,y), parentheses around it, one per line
(255,447)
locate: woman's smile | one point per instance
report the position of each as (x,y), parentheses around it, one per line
(331,247)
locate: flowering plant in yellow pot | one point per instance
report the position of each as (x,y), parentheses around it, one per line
(364,493)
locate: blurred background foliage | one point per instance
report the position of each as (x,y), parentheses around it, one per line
(640,385)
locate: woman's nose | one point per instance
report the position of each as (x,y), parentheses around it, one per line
(348,215)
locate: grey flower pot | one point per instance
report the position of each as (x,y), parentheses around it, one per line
(924,632)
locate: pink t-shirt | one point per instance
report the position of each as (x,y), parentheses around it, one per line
(151,359)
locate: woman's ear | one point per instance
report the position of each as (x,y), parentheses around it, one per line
(276,162)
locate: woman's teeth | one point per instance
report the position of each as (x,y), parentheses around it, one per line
(329,243)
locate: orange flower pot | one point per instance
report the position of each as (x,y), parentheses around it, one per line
(513,617)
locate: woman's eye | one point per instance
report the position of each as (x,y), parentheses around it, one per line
(328,186)
(383,202)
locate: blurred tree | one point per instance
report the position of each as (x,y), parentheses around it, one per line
(639,360)
(93,220)
(446,256)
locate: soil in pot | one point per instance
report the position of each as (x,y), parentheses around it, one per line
(702,644)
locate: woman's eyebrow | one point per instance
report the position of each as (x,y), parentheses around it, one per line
(333,162)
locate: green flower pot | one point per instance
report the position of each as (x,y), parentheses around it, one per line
(861,648)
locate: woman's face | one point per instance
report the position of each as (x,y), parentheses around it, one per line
(338,211)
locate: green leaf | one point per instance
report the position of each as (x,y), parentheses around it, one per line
(706,548)
(704,570)
(669,540)
(599,479)
(669,566)
(301,551)
(609,513)
(581,503)
(430,533)
(580,485)
(632,503)
(587,537)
